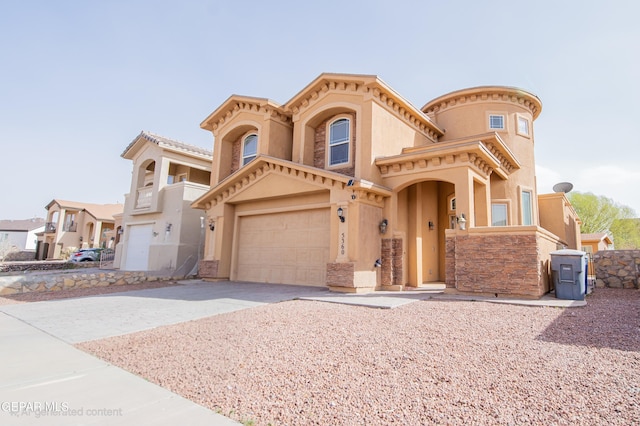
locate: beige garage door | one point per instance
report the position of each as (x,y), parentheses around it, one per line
(284,248)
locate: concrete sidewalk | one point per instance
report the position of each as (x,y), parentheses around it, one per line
(46,381)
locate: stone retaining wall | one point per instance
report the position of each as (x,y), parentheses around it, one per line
(66,280)
(617,268)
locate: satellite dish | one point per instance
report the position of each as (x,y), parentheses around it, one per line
(563,187)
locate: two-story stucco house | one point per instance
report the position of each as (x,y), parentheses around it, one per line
(160,231)
(71,225)
(350,186)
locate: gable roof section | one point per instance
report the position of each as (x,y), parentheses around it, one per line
(264,166)
(596,237)
(25,225)
(103,212)
(169,144)
(236,103)
(365,84)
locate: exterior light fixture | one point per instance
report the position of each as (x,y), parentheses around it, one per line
(120,231)
(341,214)
(377,264)
(431,225)
(168,227)
(462,222)
(81,238)
(212,224)
(383,226)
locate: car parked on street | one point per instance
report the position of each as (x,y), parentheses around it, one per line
(88,255)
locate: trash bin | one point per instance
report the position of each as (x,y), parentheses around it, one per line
(569,273)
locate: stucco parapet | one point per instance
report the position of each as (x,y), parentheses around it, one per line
(236,104)
(364,85)
(486,94)
(484,154)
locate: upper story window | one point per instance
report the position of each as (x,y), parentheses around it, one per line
(496,121)
(249,148)
(339,137)
(523,126)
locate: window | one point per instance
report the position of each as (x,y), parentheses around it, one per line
(496,121)
(339,142)
(523,126)
(249,148)
(527,216)
(498,214)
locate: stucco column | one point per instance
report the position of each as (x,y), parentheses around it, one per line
(464,197)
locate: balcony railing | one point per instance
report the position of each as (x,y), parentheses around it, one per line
(50,227)
(144,197)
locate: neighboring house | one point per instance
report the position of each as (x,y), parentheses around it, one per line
(593,243)
(351,187)
(558,216)
(158,230)
(71,225)
(20,235)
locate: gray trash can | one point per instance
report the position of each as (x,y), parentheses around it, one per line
(569,273)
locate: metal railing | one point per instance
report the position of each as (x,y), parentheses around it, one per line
(106,259)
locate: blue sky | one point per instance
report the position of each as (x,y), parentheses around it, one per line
(80,79)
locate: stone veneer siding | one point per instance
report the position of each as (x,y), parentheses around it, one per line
(391,270)
(340,274)
(26,283)
(494,264)
(617,268)
(208,268)
(236,149)
(320,146)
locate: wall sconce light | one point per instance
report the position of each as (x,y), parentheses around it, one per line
(168,227)
(81,238)
(377,264)
(120,231)
(212,224)
(155,234)
(462,222)
(383,226)
(431,225)
(91,239)
(341,214)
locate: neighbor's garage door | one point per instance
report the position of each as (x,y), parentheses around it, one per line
(284,248)
(138,248)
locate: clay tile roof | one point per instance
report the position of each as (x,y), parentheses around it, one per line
(103,212)
(167,143)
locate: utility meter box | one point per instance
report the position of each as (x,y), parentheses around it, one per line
(569,273)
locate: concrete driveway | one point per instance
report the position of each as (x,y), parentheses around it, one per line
(97,317)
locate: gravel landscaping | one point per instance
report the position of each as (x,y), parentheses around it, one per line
(428,362)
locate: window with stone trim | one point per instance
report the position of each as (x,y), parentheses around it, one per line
(339,142)
(249,148)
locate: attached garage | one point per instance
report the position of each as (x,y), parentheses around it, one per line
(284,248)
(138,242)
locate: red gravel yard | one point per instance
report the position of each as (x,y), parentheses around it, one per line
(428,362)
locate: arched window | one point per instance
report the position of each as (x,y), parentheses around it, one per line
(249,148)
(339,138)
